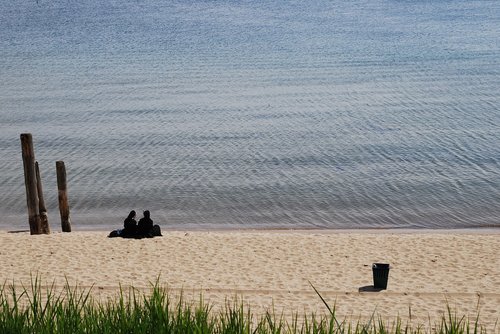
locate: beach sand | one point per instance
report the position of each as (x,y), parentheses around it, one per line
(275,269)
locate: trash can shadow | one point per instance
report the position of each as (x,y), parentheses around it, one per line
(369,288)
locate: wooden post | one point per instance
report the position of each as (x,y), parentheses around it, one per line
(30,182)
(44,219)
(63,196)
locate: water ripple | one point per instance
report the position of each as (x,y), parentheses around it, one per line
(364,114)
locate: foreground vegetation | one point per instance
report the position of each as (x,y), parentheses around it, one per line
(37,310)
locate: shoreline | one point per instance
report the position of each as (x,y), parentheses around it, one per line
(471,230)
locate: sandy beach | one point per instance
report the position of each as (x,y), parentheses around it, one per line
(272,269)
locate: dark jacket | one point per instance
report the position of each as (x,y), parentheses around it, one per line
(129,227)
(145,226)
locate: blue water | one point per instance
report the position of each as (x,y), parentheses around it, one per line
(255,114)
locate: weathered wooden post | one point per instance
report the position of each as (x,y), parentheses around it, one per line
(63,196)
(44,219)
(30,182)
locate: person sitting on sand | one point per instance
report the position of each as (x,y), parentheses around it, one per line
(129,226)
(145,227)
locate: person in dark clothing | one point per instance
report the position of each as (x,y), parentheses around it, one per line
(145,227)
(129,226)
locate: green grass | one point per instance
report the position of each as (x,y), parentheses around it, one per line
(73,310)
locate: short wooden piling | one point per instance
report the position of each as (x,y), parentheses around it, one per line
(44,219)
(63,196)
(31,183)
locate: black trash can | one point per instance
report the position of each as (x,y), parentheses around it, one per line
(380,275)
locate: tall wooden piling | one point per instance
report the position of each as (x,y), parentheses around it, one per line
(63,196)
(31,183)
(44,219)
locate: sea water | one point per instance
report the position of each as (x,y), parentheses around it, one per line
(255,114)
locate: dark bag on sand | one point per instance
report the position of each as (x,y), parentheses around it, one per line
(114,234)
(156,231)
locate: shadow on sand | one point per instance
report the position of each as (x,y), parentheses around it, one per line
(369,288)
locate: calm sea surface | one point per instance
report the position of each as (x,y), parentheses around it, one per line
(255,114)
